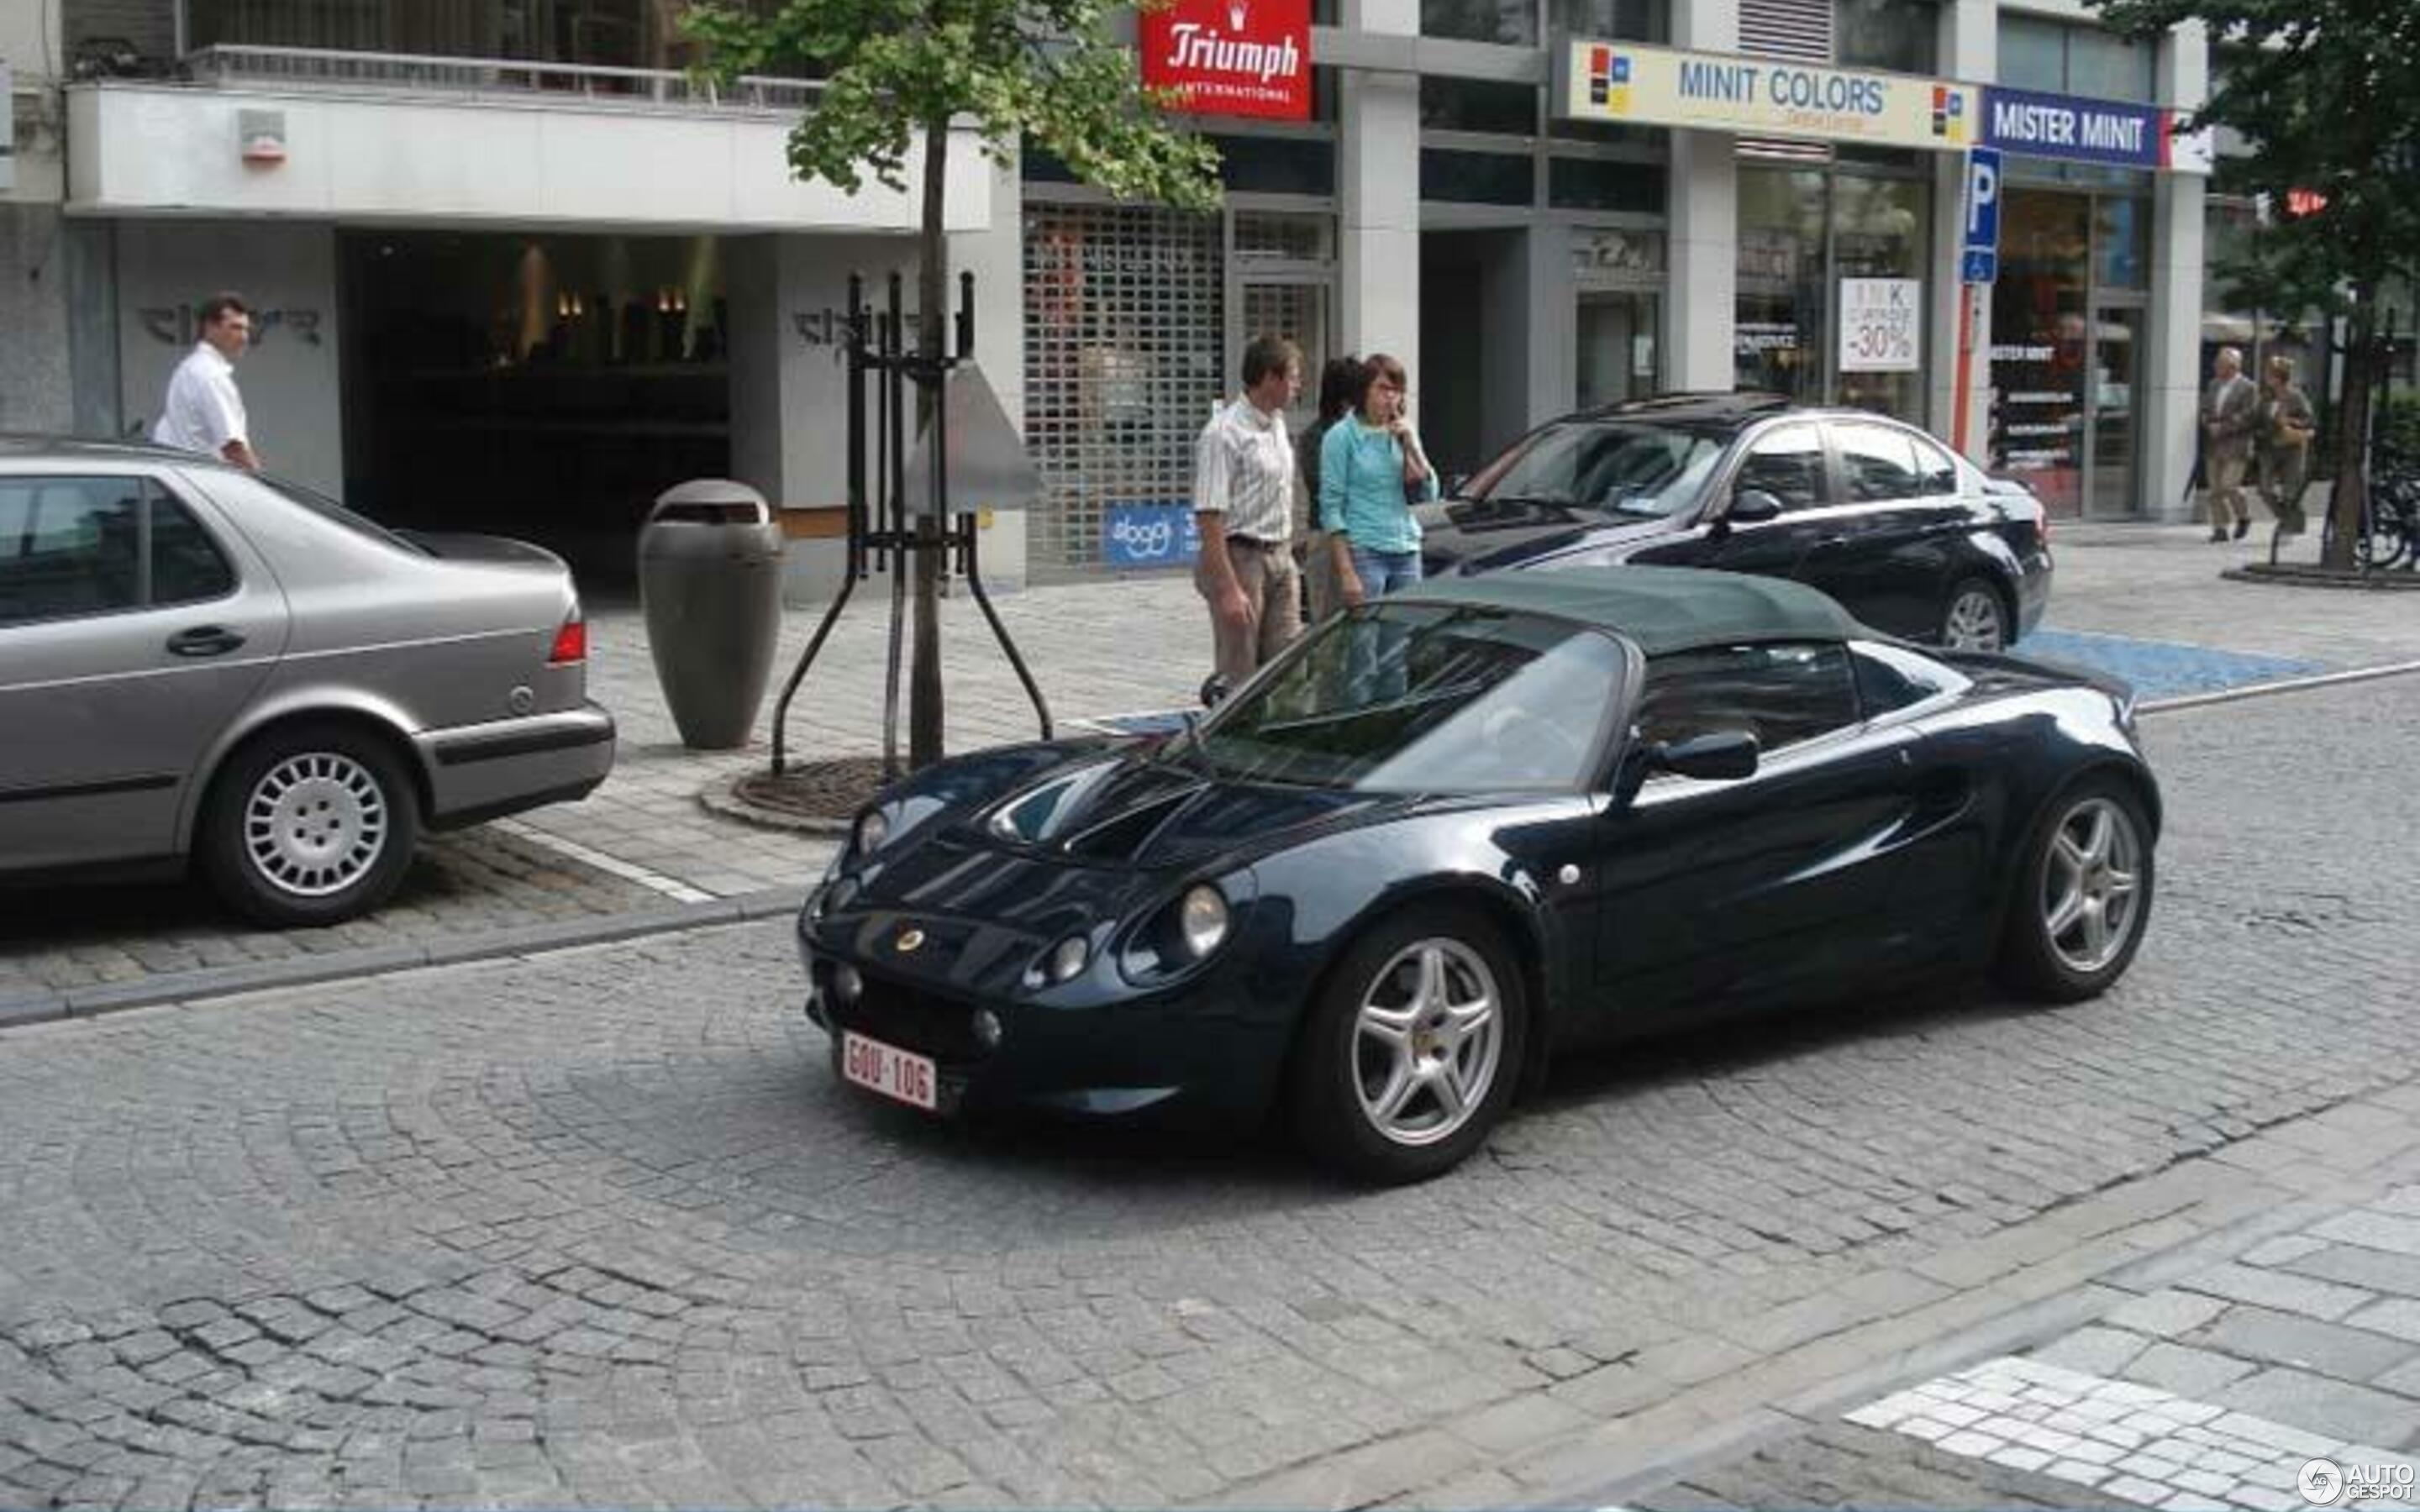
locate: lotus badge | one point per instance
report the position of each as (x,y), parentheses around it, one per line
(910,940)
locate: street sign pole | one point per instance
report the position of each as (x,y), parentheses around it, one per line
(1978,263)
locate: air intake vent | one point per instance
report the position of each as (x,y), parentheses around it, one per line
(1800,31)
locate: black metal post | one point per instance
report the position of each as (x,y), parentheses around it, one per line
(894,446)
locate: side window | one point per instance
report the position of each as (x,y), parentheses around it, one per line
(186,564)
(1788,464)
(1936,474)
(69,547)
(1877,463)
(1890,678)
(1782,693)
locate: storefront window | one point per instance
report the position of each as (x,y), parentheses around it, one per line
(1512,23)
(1881,229)
(2039,344)
(1780,324)
(1902,35)
(2121,243)
(1473,105)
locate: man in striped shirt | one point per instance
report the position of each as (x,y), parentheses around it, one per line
(1243,496)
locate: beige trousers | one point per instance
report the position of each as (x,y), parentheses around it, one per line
(1273,588)
(2227,501)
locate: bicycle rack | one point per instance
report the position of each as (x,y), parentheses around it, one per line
(881,537)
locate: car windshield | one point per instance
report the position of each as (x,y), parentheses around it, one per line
(1617,467)
(327,509)
(1414,698)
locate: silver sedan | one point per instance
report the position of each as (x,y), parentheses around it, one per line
(200,667)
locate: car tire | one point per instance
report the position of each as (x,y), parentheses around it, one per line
(2058,943)
(1396,1079)
(1975,617)
(309,825)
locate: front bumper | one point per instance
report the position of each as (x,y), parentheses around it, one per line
(1204,1053)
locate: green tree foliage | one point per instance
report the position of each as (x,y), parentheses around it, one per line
(897,72)
(2325,95)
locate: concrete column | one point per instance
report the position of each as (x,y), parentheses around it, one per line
(1379,198)
(1702,246)
(2172,376)
(1553,367)
(1969,51)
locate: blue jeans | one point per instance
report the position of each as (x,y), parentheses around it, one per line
(1383,572)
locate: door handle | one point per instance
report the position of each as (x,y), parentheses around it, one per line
(204,640)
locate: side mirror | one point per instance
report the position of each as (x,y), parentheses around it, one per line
(1753,506)
(1723,756)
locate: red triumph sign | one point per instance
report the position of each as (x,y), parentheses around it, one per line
(1231,57)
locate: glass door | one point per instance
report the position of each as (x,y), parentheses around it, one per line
(1620,347)
(2109,442)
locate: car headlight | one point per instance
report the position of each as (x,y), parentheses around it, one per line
(1202,919)
(872,829)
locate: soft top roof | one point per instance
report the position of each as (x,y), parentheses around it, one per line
(1662,608)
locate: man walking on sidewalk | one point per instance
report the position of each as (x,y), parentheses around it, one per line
(1243,495)
(203,412)
(2230,411)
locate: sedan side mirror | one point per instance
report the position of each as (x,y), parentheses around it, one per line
(1753,506)
(1724,756)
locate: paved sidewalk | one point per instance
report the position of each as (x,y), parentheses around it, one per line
(644,852)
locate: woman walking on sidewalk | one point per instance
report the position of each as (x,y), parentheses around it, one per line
(1370,467)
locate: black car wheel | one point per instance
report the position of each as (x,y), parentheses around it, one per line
(1413,1048)
(1975,617)
(312,824)
(2084,896)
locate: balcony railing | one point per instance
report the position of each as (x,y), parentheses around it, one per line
(398,72)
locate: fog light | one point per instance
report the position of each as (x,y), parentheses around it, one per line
(1069,958)
(846,985)
(987,1029)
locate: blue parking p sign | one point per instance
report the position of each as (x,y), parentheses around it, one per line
(1979,253)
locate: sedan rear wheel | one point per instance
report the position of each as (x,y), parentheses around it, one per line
(309,825)
(2078,919)
(1975,620)
(1413,1049)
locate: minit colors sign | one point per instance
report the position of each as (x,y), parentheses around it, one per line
(1765,97)
(1231,57)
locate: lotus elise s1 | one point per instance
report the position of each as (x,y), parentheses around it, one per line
(1451,833)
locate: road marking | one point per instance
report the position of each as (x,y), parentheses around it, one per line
(2289,684)
(671,887)
(2134,1442)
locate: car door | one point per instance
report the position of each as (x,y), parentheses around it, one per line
(1883,549)
(1787,461)
(130,633)
(1729,894)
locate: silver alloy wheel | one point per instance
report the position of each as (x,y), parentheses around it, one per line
(315,824)
(1426,1041)
(1975,622)
(2092,887)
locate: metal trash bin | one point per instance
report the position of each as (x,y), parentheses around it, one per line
(710,579)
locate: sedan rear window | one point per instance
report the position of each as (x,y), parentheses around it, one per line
(334,513)
(1412,698)
(1621,469)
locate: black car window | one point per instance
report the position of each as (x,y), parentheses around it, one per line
(1877,463)
(186,564)
(1787,463)
(1782,693)
(1936,474)
(1890,678)
(69,547)
(1622,468)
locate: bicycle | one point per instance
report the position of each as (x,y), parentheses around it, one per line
(2390,520)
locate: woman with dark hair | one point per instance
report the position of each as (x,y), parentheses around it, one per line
(1371,469)
(1340,394)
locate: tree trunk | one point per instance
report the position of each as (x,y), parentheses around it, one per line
(926,714)
(2353,432)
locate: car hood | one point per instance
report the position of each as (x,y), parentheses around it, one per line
(1481,534)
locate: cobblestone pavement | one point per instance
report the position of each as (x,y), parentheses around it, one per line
(599,1227)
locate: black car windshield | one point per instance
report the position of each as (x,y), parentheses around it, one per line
(1620,467)
(1412,698)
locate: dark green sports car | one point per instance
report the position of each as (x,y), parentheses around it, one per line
(1452,832)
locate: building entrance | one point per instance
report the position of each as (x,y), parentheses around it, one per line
(2068,318)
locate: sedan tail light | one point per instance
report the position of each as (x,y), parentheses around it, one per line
(570,642)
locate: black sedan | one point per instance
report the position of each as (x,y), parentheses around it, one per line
(1908,536)
(1453,832)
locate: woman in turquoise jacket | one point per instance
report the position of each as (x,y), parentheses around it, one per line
(1370,467)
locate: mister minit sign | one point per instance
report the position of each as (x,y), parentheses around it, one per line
(1231,57)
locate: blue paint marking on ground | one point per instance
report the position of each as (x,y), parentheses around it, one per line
(2162,669)
(2157,669)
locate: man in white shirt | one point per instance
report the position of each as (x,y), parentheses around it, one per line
(203,411)
(1243,497)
